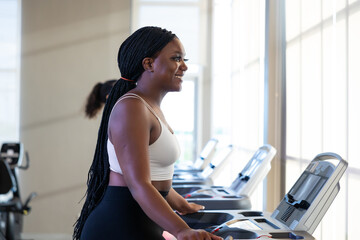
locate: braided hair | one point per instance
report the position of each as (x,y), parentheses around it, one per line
(145,42)
(97,97)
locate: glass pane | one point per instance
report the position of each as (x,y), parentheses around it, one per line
(330,99)
(311,96)
(354,90)
(292,12)
(334,89)
(182,120)
(247,79)
(8,34)
(250,27)
(250,108)
(352,1)
(310,13)
(9,105)
(221,74)
(293,113)
(238,81)
(330,7)
(9,82)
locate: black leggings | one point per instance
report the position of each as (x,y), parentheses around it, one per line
(118,216)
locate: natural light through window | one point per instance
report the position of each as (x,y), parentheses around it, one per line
(9,70)
(322,84)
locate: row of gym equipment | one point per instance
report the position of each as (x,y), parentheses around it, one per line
(228,212)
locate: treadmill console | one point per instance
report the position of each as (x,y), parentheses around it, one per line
(254,171)
(304,205)
(206,153)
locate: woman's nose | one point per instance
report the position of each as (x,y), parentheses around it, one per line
(183,66)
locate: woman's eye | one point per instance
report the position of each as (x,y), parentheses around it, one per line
(177,59)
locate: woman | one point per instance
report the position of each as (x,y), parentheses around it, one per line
(129,192)
(97,97)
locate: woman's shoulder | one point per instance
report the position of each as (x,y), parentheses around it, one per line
(129,115)
(129,105)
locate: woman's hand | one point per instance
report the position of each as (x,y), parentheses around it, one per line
(179,204)
(196,234)
(191,208)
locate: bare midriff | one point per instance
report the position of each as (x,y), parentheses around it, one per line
(117,179)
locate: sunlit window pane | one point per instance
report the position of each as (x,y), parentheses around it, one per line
(182,119)
(246,112)
(330,7)
(334,89)
(293,26)
(354,90)
(8,35)
(9,71)
(311,13)
(293,110)
(221,73)
(352,1)
(251,26)
(329,98)
(311,96)
(238,79)
(9,105)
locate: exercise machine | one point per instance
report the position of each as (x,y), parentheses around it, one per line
(237,195)
(296,217)
(12,209)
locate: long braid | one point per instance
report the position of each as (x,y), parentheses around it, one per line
(98,176)
(145,42)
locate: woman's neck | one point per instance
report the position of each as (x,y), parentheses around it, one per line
(152,97)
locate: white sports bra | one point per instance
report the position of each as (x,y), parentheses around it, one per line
(162,153)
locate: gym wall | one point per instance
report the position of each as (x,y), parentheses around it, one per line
(67,47)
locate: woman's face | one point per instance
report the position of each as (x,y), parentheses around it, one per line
(169,66)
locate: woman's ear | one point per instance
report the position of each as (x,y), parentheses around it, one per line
(148,64)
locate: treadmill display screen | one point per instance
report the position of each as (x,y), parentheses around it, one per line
(311,181)
(244,224)
(253,164)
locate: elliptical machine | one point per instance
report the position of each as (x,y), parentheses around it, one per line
(12,208)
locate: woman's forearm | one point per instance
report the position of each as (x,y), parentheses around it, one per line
(176,201)
(158,209)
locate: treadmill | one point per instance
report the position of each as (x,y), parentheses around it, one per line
(296,217)
(201,162)
(237,196)
(221,157)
